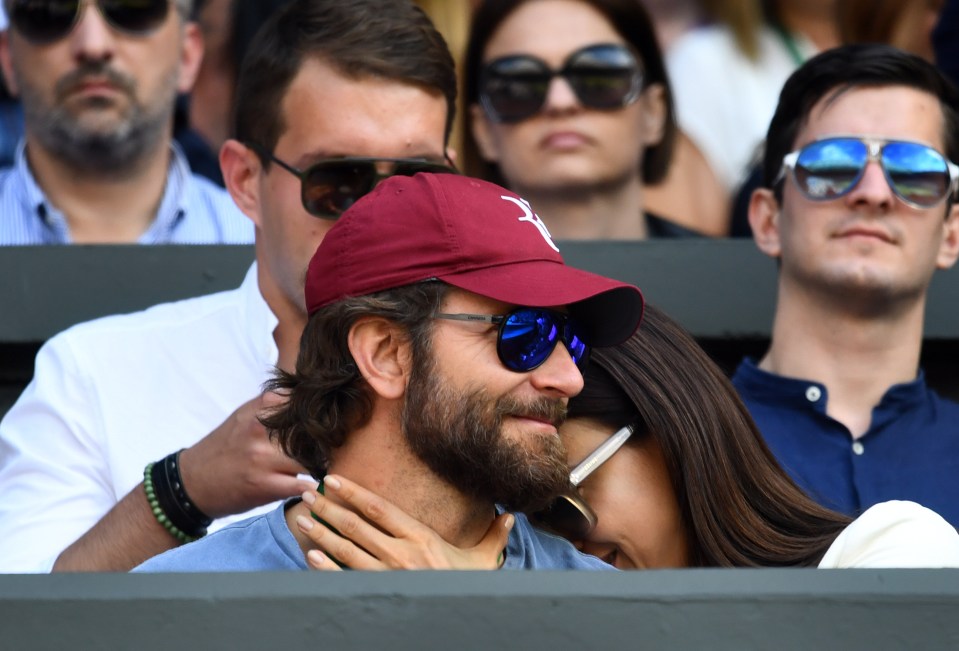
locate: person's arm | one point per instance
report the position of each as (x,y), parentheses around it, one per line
(397,541)
(232,470)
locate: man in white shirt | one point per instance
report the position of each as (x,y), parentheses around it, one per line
(323,80)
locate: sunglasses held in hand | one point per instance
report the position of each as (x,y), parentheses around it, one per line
(328,187)
(46,21)
(569,515)
(528,335)
(605,76)
(830,168)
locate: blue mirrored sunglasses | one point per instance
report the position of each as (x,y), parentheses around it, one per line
(830,168)
(528,335)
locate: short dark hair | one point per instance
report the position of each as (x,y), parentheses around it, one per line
(327,397)
(738,507)
(390,39)
(630,20)
(847,67)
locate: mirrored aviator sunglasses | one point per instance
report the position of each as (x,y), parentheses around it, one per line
(830,168)
(46,21)
(605,76)
(527,336)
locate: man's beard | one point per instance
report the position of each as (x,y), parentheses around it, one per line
(459,436)
(115,150)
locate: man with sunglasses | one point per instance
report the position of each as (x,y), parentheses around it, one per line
(342,93)
(98,81)
(859,210)
(443,344)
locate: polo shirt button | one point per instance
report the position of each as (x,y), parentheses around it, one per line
(858,448)
(813,394)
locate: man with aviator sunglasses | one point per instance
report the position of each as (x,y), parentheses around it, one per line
(153,415)
(859,210)
(441,349)
(98,82)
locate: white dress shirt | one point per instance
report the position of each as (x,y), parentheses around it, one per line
(110,395)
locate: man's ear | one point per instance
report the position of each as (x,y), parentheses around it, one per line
(191,56)
(483,135)
(381,353)
(241,169)
(764,219)
(949,249)
(6,63)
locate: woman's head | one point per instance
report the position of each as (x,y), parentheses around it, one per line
(566,143)
(733,504)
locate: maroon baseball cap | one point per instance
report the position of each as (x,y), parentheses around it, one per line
(468,233)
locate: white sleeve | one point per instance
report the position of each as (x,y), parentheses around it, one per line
(54,483)
(895,534)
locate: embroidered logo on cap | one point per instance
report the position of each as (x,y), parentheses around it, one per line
(533,218)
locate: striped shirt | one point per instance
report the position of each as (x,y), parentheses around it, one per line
(192,210)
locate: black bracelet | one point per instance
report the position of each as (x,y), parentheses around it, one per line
(173,500)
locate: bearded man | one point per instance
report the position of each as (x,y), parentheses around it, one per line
(98,82)
(444,341)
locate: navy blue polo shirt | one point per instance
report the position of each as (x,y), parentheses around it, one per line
(911,451)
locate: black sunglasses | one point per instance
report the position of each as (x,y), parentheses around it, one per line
(569,515)
(528,335)
(328,187)
(46,21)
(605,76)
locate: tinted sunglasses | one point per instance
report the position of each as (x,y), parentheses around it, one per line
(830,168)
(569,515)
(329,187)
(528,335)
(46,21)
(604,76)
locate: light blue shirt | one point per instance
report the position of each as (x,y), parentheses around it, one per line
(265,543)
(192,211)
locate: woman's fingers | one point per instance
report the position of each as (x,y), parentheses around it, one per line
(346,548)
(489,552)
(371,506)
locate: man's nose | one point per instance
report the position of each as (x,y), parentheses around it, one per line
(558,376)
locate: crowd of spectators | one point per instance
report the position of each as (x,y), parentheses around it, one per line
(422,367)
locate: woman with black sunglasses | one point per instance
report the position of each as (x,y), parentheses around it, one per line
(568,105)
(690,484)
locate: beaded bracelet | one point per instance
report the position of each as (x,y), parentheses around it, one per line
(170,503)
(155,506)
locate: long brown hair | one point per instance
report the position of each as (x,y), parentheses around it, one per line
(739,508)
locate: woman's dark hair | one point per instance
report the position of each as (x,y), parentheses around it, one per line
(739,508)
(629,19)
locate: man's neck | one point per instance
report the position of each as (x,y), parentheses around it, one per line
(291,317)
(610,213)
(102,208)
(379,460)
(858,356)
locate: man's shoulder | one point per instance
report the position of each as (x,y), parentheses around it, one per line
(259,543)
(530,548)
(213,310)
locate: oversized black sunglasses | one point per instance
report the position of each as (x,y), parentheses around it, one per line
(528,335)
(604,76)
(569,515)
(328,187)
(46,21)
